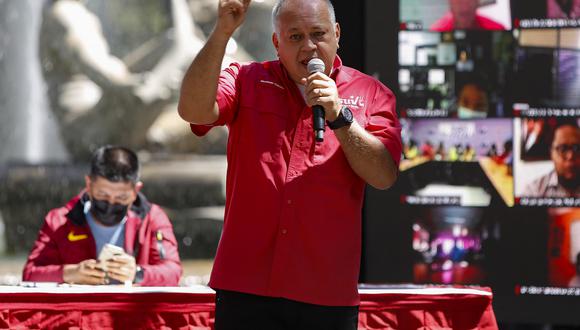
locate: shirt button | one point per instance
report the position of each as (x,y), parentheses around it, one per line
(284,231)
(289,201)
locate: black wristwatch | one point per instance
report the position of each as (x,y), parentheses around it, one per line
(344,118)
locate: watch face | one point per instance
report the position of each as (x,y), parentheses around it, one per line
(347,114)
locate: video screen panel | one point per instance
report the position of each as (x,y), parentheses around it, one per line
(450,15)
(457,75)
(449,244)
(547,72)
(546,14)
(546,161)
(489,185)
(564,247)
(518,251)
(457,162)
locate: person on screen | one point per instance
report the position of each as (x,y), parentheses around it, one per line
(110,210)
(575,280)
(440,152)
(428,150)
(289,254)
(453,152)
(492,152)
(411,150)
(563,9)
(506,157)
(564,179)
(468,153)
(472,102)
(463,16)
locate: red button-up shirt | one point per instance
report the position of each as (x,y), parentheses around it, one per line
(292,223)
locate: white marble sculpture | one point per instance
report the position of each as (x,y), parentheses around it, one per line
(95,96)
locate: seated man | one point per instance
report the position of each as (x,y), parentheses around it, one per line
(109,211)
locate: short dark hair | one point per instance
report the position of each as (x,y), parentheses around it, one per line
(116,164)
(566,122)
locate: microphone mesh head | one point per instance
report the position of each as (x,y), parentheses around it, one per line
(315,65)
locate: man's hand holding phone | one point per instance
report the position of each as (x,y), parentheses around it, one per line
(117,264)
(121,268)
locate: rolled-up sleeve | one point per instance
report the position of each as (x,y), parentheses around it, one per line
(382,121)
(226,98)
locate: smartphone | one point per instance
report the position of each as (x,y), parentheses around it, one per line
(109,251)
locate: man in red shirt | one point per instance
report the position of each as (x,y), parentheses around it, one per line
(289,255)
(463,16)
(109,211)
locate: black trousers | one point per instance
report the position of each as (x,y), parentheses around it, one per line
(242,311)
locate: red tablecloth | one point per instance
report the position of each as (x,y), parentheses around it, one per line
(426,308)
(193,308)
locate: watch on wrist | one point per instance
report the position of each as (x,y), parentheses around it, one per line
(138,275)
(345,118)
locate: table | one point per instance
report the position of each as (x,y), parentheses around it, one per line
(501,178)
(117,307)
(426,308)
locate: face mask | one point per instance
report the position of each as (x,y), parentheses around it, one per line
(466,113)
(108,214)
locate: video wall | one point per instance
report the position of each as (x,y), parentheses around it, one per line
(489,187)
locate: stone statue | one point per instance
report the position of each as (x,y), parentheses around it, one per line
(96,97)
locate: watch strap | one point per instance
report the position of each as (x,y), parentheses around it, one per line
(341,120)
(138,275)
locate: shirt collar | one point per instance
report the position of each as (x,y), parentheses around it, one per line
(553,179)
(336,67)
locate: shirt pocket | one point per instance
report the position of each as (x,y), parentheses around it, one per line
(327,149)
(268,116)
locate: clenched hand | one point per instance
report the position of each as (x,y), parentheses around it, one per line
(231,14)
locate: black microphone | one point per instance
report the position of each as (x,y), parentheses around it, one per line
(316,65)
